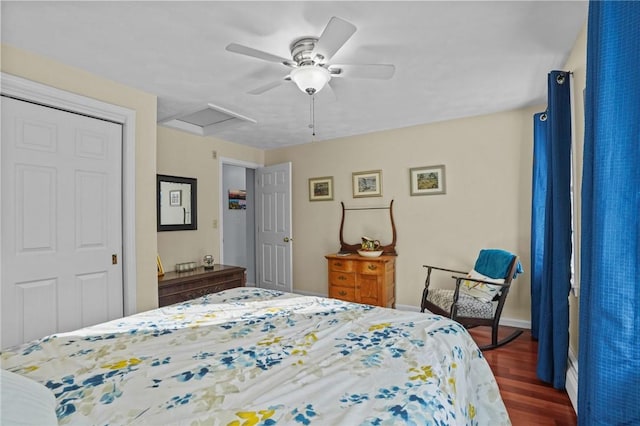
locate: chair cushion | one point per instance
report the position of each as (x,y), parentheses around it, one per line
(468,306)
(481,291)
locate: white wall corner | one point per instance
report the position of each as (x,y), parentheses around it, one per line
(572,379)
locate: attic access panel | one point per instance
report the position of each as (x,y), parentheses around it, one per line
(206,121)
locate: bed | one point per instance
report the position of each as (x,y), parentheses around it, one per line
(249,356)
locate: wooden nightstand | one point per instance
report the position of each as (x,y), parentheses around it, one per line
(174,287)
(370,280)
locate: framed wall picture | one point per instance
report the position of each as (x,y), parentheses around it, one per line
(367,184)
(176,203)
(237,199)
(428,180)
(175,198)
(321,188)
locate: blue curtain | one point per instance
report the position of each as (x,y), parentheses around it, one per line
(539,194)
(609,352)
(551,232)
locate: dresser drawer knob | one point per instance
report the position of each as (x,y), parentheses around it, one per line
(342,293)
(338,263)
(342,278)
(372,267)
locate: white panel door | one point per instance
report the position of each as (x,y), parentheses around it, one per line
(61,221)
(273,227)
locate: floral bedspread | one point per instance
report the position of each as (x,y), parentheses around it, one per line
(249,356)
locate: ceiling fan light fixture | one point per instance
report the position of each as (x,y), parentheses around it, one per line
(310,78)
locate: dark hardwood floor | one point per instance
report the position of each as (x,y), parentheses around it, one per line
(529,401)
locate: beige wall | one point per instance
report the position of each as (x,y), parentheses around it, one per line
(577,63)
(37,68)
(488,172)
(488,181)
(187,155)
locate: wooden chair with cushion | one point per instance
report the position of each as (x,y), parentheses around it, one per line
(479,295)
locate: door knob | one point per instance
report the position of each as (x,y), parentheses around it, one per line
(287,239)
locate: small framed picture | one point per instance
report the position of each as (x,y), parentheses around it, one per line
(175,198)
(367,184)
(321,188)
(428,180)
(237,199)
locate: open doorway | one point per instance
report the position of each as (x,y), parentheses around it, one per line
(238,217)
(265,250)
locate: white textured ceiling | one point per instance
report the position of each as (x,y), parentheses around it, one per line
(453,59)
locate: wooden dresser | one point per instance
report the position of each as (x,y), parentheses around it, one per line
(370,280)
(174,287)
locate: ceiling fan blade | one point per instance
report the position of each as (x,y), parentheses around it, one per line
(249,51)
(377,71)
(335,34)
(266,87)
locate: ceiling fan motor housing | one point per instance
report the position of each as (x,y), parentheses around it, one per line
(302,51)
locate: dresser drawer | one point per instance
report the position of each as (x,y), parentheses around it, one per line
(372,268)
(341,265)
(342,293)
(342,279)
(176,287)
(207,289)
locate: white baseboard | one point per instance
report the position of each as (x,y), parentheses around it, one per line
(408,308)
(572,380)
(309,293)
(512,322)
(509,322)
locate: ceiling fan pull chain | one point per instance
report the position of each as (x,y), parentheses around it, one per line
(312,114)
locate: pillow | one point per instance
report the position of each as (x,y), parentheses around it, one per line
(481,291)
(25,402)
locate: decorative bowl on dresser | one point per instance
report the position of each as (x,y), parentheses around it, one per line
(370,253)
(174,287)
(369,280)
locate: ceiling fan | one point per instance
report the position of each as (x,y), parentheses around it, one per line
(310,55)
